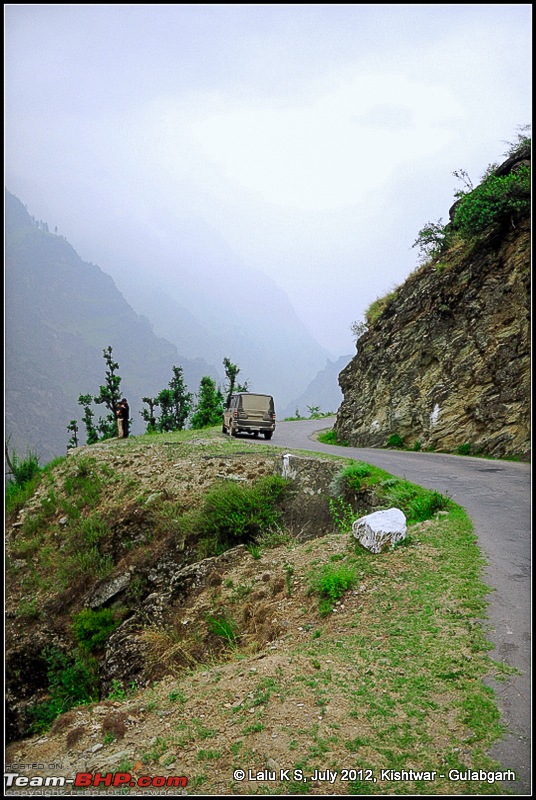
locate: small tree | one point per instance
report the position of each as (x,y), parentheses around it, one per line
(92,434)
(165,401)
(149,414)
(109,395)
(358,329)
(231,373)
(209,407)
(181,399)
(432,240)
(72,427)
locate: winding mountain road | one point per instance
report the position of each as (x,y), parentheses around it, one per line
(497,496)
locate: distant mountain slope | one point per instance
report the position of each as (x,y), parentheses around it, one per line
(323,391)
(61,313)
(205,300)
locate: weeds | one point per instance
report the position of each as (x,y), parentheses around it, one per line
(223,627)
(72,681)
(233,513)
(289,572)
(331,582)
(342,514)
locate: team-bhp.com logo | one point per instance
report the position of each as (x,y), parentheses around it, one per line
(86,780)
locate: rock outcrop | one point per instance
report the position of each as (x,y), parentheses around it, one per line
(447,363)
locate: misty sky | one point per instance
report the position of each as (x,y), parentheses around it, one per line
(316,139)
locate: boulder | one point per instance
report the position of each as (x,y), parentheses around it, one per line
(380,530)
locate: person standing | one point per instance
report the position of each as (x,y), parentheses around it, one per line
(123,419)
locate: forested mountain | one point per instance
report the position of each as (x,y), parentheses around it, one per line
(61,313)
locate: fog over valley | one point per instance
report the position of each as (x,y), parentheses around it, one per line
(224,181)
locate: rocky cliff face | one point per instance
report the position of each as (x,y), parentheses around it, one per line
(447,363)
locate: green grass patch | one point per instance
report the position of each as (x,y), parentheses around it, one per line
(330,583)
(223,627)
(330,437)
(356,482)
(233,512)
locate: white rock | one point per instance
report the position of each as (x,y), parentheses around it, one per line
(380,530)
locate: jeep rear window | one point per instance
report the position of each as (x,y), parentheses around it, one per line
(257,402)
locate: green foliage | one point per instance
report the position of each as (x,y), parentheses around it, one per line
(224,627)
(432,240)
(72,427)
(342,514)
(236,512)
(254,550)
(109,396)
(351,477)
(330,437)
(72,681)
(231,374)
(496,201)
(395,441)
(209,409)
(23,469)
(418,504)
(25,478)
(523,139)
(92,434)
(92,628)
(378,306)
(331,582)
(175,405)
(464,449)
(148,414)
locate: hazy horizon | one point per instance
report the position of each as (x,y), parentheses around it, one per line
(310,142)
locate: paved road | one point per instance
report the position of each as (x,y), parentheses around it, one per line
(497,496)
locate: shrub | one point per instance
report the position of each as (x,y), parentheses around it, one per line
(23,470)
(350,478)
(236,512)
(418,504)
(464,449)
(497,200)
(72,681)
(92,628)
(331,583)
(432,240)
(395,441)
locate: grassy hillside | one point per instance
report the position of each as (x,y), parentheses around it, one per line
(283,653)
